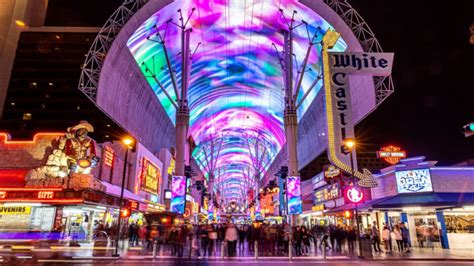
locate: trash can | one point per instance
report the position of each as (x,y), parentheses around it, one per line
(366,244)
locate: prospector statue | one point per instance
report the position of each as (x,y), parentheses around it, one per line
(80,149)
(69,165)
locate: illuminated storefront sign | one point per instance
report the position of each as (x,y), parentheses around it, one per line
(45,194)
(391,154)
(293,192)
(340,125)
(154,198)
(331,172)
(319,207)
(178,194)
(10,210)
(418,180)
(353,195)
(109,156)
(332,192)
(150,176)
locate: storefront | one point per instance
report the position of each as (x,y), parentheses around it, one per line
(435,203)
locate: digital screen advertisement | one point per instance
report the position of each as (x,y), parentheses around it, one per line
(293,193)
(151,176)
(418,180)
(178,194)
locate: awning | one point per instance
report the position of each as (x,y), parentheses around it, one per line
(366,206)
(115,191)
(440,200)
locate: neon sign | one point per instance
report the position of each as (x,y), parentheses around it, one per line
(354,195)
(337,68)
(3,194)
(109,156)
(45,194)
(391,154)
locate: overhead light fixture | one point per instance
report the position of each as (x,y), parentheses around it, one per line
(20,23)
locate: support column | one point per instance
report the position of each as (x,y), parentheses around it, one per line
(291,133)
(443,234)
(182,123)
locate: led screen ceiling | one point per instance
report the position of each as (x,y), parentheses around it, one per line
(236,85)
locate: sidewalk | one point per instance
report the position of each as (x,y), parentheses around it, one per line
(428,254)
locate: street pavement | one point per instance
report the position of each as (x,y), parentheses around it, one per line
(87,254)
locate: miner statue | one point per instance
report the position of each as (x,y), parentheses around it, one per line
(80,149)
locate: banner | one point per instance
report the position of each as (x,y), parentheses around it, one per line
(178,194)
(293,193)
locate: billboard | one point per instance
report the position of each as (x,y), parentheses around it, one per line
(150,176)
(293,193)
(418,180)
(178,194)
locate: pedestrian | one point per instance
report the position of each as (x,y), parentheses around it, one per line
(375,239)
(386,240)
(212,234)
(204,236)
(231,236)
(405,237)
(142,235)
(332,237)
(297,240)
(173,240)
(351,238)
(305,240)
(242,235)
(397,235)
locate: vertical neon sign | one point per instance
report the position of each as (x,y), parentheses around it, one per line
(293,193)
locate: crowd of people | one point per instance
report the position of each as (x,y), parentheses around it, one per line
(270,240)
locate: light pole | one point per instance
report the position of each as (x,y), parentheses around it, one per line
(350,144)
(129,143)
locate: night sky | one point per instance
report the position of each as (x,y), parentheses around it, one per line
(433,72)
(433,76)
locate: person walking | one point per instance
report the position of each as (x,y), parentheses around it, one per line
(204,237)
(386,240)
(212,234)
(231,236)
(405,237)
(351,238)
(297,237)
(242,235)
(397,234)
(375,239)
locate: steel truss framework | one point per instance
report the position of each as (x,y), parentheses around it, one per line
(89,79)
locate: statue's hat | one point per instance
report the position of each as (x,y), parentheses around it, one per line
(83,124)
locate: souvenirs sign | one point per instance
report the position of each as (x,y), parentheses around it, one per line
(391,154)
(340,125)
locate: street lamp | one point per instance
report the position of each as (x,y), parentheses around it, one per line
(129,145)
(350,144)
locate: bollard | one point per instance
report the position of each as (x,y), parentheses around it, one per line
(324,249)
(222,249)
(154,249)
(290,250)
(255,249)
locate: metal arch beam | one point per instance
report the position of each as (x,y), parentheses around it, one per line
(383,85)
(95,58)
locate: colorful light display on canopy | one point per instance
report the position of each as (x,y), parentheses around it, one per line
(236,83)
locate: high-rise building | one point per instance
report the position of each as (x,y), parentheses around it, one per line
(43,46)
